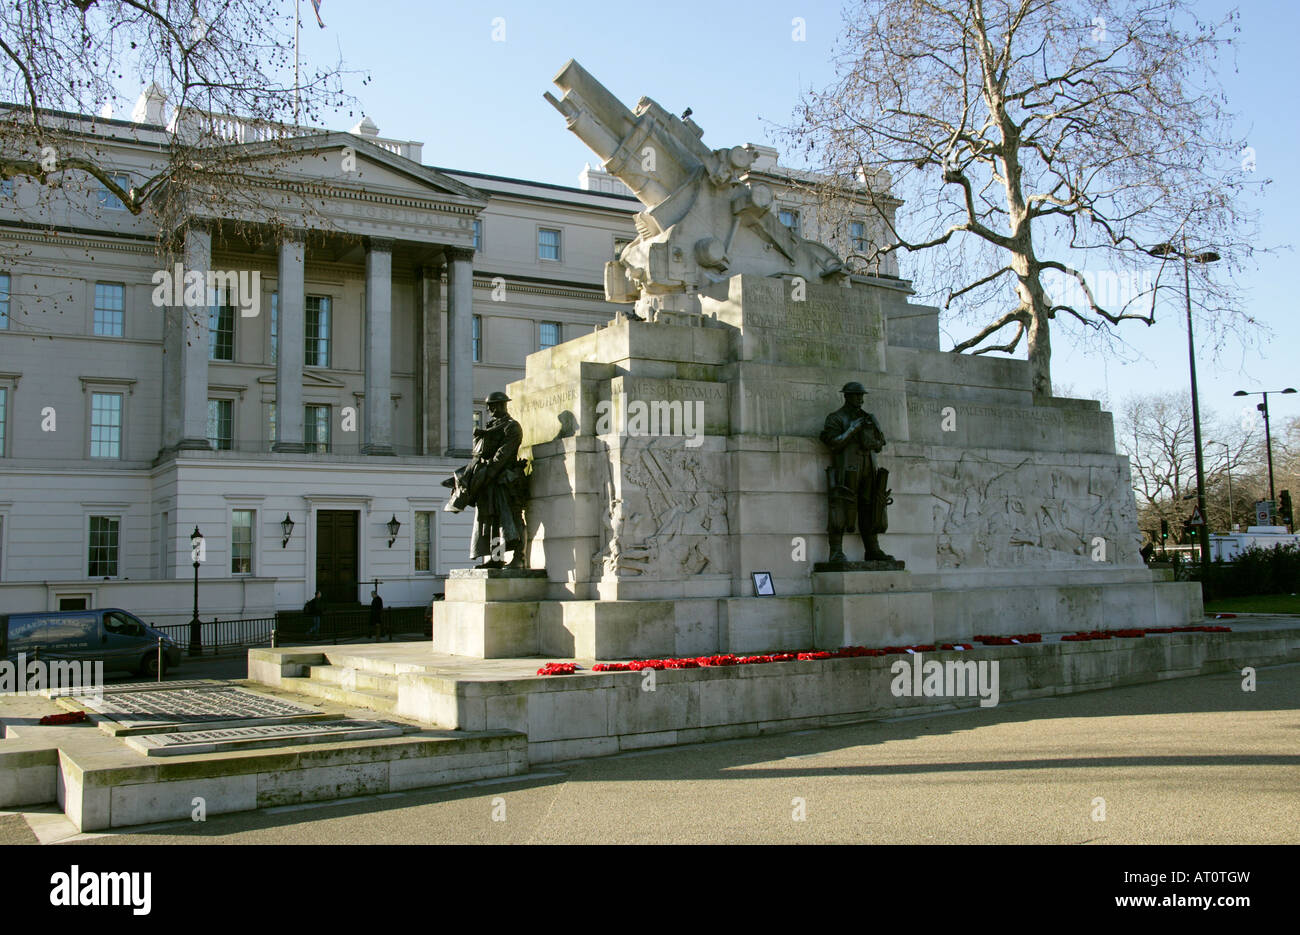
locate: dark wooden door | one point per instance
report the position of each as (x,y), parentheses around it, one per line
(336,555)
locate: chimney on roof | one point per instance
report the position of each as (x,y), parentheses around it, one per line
(365,127)
(151,106)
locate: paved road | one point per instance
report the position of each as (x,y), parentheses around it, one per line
(1181,761)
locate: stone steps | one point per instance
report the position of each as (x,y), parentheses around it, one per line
(343,657)
(372,699)
(353,678)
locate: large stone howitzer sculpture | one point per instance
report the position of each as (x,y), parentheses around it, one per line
(705,220)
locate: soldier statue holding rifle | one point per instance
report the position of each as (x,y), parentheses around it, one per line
(858,489)
(494,483)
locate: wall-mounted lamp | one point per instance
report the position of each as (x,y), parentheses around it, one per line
(393,526)
(286,527)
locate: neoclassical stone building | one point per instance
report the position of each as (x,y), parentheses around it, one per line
(303,428)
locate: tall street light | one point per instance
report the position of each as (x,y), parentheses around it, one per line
(196,630)
(1268,441)
(1209,256)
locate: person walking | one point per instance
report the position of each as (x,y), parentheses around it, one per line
(315,609)
(376,614)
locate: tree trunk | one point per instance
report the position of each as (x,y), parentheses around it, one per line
(1033,300)
(1040,353)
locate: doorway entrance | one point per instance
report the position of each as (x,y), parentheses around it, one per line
(336,555)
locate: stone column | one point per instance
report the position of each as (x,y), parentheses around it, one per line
(460,357)
(185,415)
(428,368)
(291,304)
(377,425)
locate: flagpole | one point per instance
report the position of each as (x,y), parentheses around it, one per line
(297,27)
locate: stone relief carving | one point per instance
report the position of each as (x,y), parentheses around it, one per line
(991,514)
(671,516)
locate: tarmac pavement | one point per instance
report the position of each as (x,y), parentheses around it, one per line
(1194,760)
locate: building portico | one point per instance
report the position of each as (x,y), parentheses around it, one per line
(378,209)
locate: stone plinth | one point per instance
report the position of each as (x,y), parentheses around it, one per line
(672,459)
(489,612)
(496,584)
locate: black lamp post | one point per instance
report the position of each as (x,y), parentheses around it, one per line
(1268,441)
(1209,256)
(196,633)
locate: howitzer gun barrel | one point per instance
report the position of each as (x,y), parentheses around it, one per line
(597,117)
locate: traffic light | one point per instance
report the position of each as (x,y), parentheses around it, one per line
(1164,530)
(1284,510)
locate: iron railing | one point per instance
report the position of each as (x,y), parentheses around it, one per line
(295,627)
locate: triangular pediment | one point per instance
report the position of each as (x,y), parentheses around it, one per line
(348,161)
(310,378)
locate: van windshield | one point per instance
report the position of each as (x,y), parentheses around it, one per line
(122,624)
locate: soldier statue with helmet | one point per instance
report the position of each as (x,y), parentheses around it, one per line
(494,482)
(858,489)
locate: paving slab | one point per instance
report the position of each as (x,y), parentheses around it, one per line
(182,743)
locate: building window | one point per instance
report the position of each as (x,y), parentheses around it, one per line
(548,335)
(4,420)
(478,418)
(619,244)
(478,234)
(790,218)
(424,542)
(548,244)
(858,236)
(476,339)
(102,561)
(270,423)
(220,413)
(4,300)
(316,428)
(275,325)
(318,331)
(221,331)
(106,425)
(241,542)
(107,199)
(109,304)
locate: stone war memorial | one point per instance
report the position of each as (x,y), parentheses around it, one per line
(763,454)
(686,447)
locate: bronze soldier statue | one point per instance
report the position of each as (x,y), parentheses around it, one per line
(858,489)
(494,483)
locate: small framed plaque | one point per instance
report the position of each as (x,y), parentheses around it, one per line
(763,586)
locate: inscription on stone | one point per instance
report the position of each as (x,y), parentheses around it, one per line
(193,706)
(180,743)
(551,400)
(114,688)
(935,408)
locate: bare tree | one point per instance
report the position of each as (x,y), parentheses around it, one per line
(1045,148)
(224,67)
(1155,431)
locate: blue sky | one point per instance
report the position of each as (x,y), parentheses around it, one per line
(437,75)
